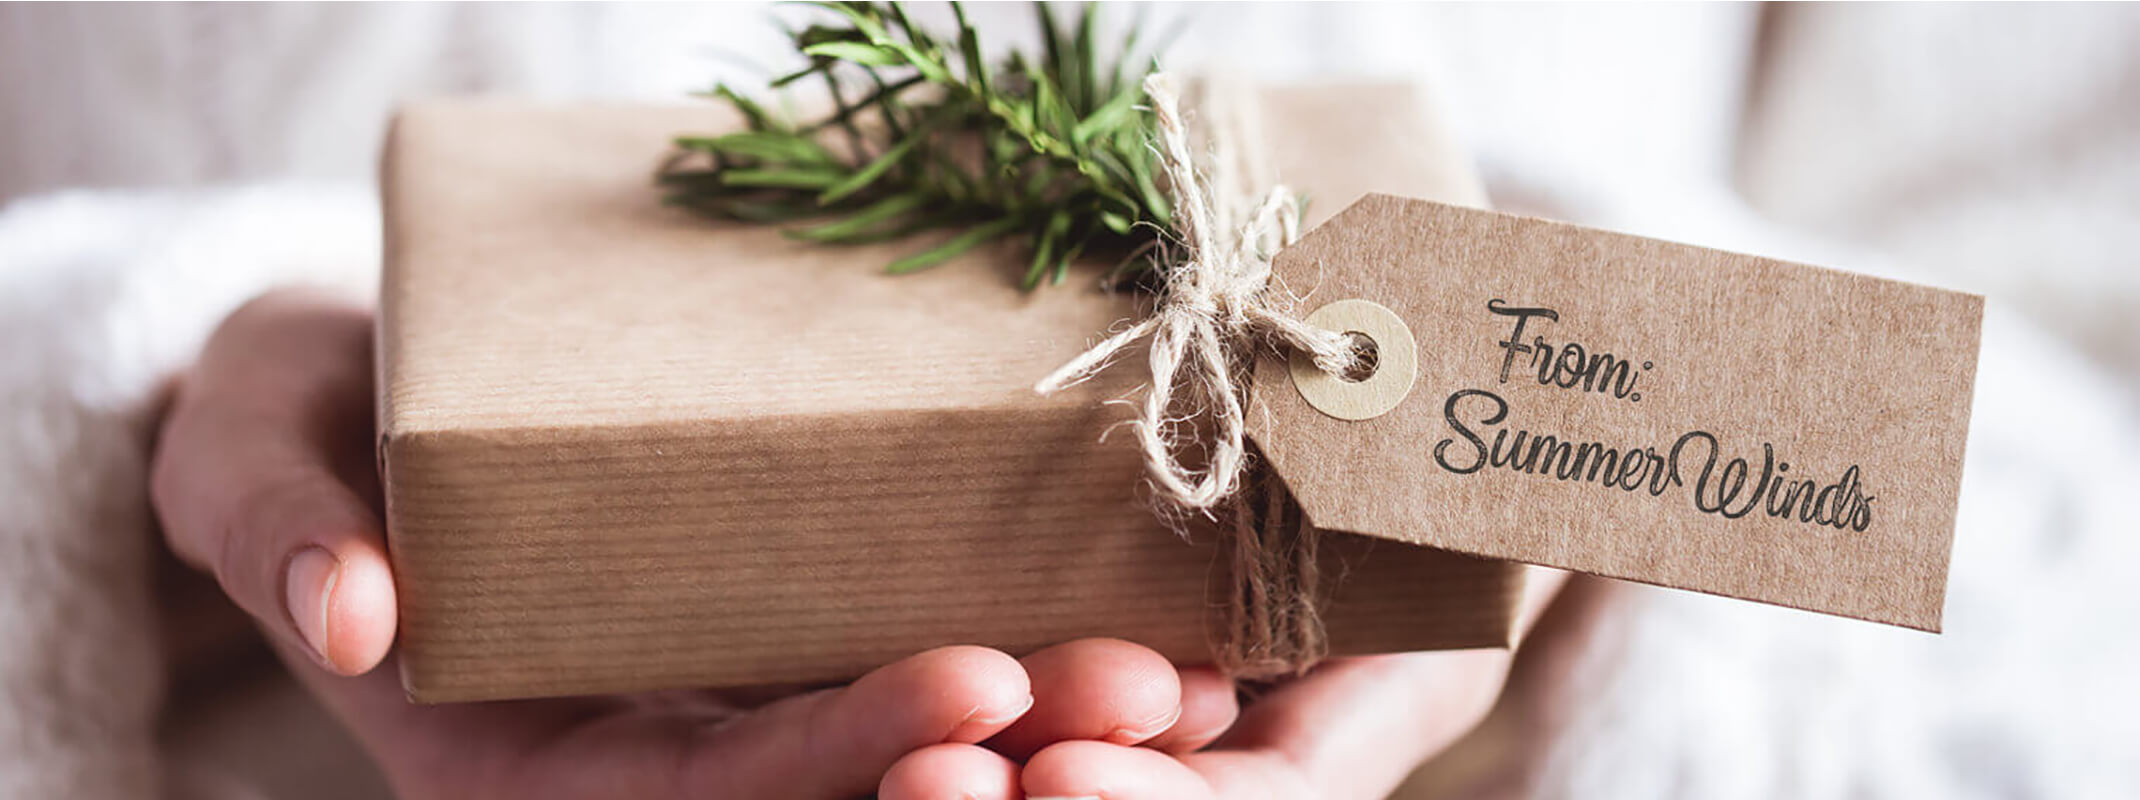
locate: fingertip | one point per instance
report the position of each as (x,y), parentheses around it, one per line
(963,771)
(1208,708)
(843,741)
(985,688)
(309,580)
(1099,689)
(361,613)
(1138,685)
(989,720)
(1085,769)
(1068,769)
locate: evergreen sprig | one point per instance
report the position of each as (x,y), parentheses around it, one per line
(924,134)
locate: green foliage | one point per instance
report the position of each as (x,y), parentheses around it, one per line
(924,134)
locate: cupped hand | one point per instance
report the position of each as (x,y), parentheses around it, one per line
(1352,729)
(264,475)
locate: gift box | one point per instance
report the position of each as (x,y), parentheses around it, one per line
(626,448)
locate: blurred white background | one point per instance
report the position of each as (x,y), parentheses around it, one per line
(160,163)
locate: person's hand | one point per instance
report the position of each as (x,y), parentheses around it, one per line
(1352,729)
(264,475)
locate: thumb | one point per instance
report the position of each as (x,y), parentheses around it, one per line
(262,475)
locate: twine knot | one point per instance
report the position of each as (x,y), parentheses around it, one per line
(1215,308)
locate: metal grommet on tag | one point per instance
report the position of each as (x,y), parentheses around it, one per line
(1393,365)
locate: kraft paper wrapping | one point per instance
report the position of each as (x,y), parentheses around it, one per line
(629,449)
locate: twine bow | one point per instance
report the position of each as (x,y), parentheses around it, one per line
(1215,308)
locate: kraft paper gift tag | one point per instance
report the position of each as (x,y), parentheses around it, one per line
(1627,407)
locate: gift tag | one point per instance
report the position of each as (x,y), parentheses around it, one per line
(1627,407)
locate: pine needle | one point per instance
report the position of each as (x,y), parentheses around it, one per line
(1051,150)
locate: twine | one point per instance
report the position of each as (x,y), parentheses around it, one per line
(1215,309)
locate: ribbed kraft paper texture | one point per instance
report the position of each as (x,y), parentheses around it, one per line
(627,449)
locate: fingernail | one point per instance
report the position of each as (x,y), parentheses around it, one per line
(1130,736)
(308,588)
(982,724)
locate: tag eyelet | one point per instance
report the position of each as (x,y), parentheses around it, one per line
(1395,367)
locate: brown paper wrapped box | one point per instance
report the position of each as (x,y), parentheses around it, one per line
(625,448)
